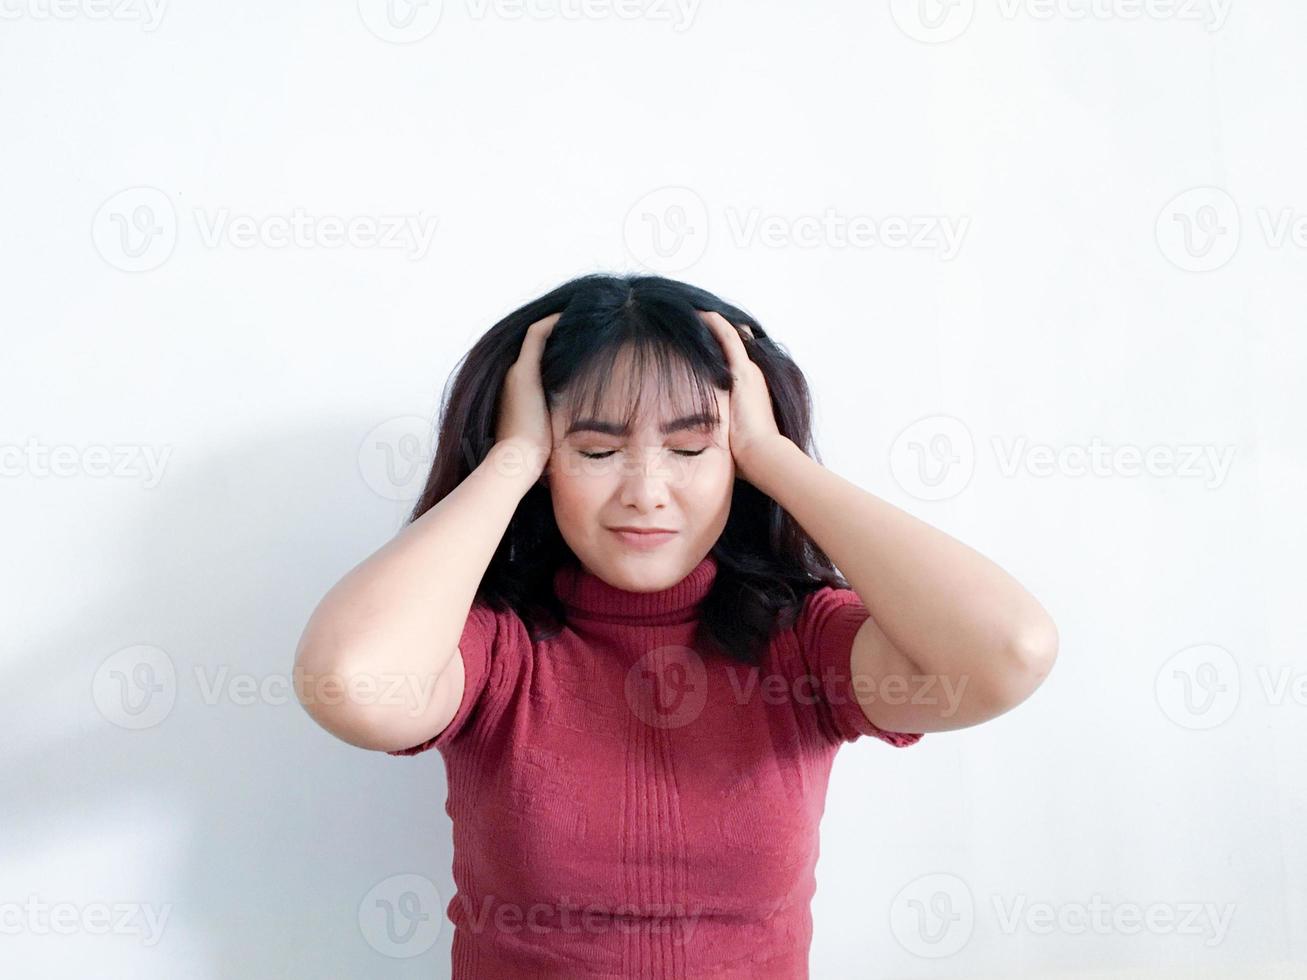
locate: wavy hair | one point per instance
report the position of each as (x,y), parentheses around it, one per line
(767,564)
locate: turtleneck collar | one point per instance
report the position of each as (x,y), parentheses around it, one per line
(587,596)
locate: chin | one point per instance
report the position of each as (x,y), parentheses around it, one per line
(643,573)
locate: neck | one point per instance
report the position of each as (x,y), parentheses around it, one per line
(587,596)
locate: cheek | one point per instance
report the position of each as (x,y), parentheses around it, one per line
(711,480)
(576,498)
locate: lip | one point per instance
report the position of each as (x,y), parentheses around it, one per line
(641,539)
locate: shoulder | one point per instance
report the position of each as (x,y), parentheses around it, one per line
(826,614)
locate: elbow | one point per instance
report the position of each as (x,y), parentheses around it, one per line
(1032,653)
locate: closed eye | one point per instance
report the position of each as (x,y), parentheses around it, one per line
(605,455)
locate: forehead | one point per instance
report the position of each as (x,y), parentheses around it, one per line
(690,422)
(650,405)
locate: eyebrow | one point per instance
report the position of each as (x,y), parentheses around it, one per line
(700,420)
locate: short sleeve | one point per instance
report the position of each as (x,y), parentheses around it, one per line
(825,628)
(485,635)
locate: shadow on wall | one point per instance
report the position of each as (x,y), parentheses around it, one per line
(258,843)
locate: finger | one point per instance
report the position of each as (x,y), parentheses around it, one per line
(533,344)
(728,336)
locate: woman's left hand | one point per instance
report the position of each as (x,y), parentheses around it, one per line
(752,422)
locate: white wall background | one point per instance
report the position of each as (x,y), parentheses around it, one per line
(1123,182)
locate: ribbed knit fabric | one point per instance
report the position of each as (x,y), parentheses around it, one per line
(624,806)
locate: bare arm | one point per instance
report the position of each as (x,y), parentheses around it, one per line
(953,639)
(942,614)
(371,665)
(378,664)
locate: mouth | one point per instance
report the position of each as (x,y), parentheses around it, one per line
(642,539)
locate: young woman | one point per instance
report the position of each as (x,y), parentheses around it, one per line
(615,611)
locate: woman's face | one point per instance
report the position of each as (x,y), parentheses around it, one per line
(681,480)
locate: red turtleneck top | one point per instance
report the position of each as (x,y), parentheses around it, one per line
(625,807)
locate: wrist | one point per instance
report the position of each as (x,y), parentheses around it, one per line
(760,464)
(516,460)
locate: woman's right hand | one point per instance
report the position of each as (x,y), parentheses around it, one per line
(523,412)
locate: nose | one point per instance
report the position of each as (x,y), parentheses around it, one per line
(646,482)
